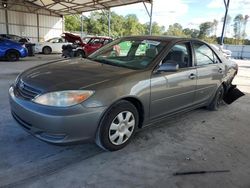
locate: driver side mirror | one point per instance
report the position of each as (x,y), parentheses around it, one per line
(168,67)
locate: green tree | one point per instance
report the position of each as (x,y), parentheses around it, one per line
(175,30)
(246,17)
(117,25)
(73,23)
(215,26)
(227,26)
(133,26)
(156,29)
(191,33)
(238,25)
(205,29)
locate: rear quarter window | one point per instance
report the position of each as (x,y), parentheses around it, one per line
(203,54)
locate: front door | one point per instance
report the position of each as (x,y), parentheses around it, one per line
(173,91)
(93,45)
(57,45)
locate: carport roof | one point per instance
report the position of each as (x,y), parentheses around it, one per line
(65,7)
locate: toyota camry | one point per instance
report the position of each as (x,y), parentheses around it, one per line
(126,85)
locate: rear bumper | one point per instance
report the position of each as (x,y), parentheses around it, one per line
(56,125)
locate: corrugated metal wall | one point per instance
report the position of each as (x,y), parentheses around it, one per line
(31,25)
(23,24)
(239,51)
(50,26)
(2,21)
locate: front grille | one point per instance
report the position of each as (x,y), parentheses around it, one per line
(26,92)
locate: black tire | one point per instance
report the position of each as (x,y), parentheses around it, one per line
(47,50)
(12,55)
(80,53)
(217,100)
(103,133)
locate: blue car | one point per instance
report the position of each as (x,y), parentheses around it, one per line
(11,50)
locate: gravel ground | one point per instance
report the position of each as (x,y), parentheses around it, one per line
(198,140)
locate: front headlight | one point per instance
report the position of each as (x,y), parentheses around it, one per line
(63,98)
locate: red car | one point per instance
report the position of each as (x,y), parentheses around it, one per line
(84,49)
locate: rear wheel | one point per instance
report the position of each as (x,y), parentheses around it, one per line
(47,50)
(218,99)
(12,55)
(117,126)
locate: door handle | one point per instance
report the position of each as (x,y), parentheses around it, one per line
(220,70)
(192,76)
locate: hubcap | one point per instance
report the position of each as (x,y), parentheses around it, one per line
(121,128)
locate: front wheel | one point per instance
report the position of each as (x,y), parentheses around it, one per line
(117,126)
(218,99)
(80,53)
(12,55)
(47,50)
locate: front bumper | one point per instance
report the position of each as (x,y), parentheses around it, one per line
(56,125)
(23,52)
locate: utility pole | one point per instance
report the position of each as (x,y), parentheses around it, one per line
(81,25)
(150,14)
(225,20)
(109,23)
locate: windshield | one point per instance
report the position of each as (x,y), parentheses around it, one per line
(86,39)
(129,53)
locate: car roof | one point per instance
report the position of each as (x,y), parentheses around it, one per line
(9,40)
(162,38)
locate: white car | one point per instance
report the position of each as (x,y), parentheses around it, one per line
(53,45)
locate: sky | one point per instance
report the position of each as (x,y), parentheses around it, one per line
(189,13)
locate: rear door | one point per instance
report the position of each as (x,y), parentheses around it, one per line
(173,91)
(210,71)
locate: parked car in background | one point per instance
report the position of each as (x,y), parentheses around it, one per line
(94,44)
(11,50)
(81,48)
(107,96)
(15,38)
(22,40)
(53,45)
(75,48)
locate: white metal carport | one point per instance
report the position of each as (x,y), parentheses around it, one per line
(39,19)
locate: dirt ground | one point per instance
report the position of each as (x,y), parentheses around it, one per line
(198,140)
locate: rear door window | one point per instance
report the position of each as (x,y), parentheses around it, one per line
(204,55)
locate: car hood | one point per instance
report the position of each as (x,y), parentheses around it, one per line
(73,38)
(70,74)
